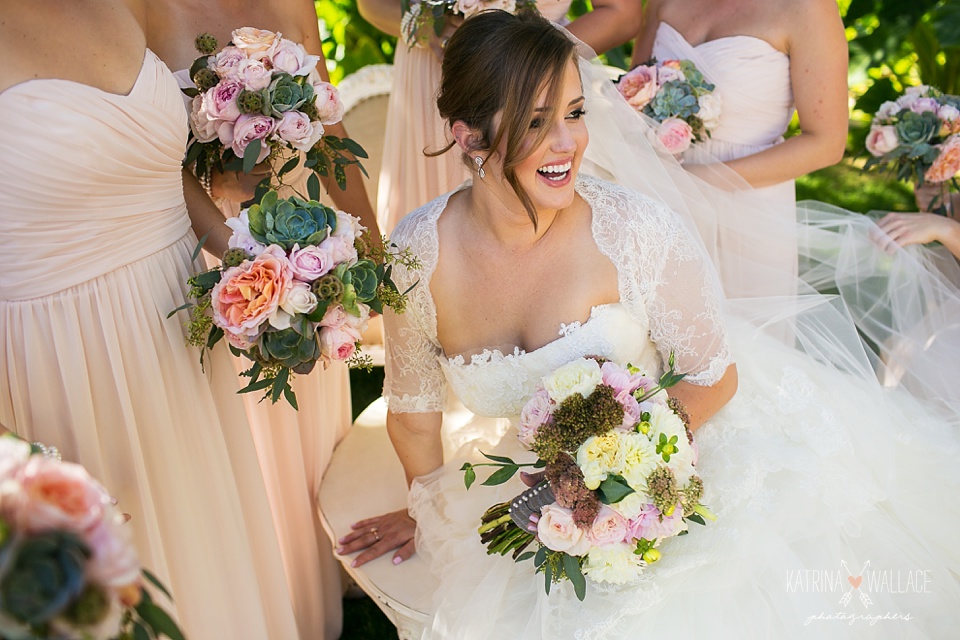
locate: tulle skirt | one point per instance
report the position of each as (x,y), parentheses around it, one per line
(829,524)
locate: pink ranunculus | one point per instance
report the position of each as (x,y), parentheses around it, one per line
(310,262)
(255,43)
(536,413)
(226,62)
(220,101)
(58,495)
(557,531)
(329,106)
(675,134)
(607,528)
(340,249)
(631,409)
(882,139)
(639,86)
(290,57)
(338,343)
(253,74)
(247,295)
(205,128)
(650,525)
(947,164)
(249,128)
(924,105)
(297,129)
(114,560)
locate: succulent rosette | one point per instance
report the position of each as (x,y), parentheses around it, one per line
(618,459)
(677,97)
(918,137)
(68,568)
(296,287)
(261,98)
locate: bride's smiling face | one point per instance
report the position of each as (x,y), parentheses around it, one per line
(549,170)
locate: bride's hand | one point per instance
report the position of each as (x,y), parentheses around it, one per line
(380,535)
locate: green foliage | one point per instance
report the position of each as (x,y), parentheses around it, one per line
(349,41)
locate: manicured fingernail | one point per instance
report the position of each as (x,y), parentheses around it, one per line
(339,550)
(397,560)
(353,564)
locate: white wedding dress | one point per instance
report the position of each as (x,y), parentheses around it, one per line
(815,474)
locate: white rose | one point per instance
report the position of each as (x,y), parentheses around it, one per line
(615,563)
(580,376)
(949,113)
(558,532)
(299,299)
(709,110)
(280,319)
(241,238)
(348,226)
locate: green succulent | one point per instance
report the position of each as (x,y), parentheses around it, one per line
(695,78)
(290,221)
(675,99)
(290,348)
(917,128)
(288,93)
(44,576)
(363,277)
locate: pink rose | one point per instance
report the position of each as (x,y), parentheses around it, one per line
(949,113)
(249,128)
(534,415)
(947,164)
(241,236)
(335,317)
(14,453)
(619,379)
(557,531)
(340,249)
(924,105)
(887,110)
(220,101)
(297,129)
(358,323)
(255,43)
(205,128)
(247,295)
(58,495)
(631,409)
(670,71)
(882,139)
(227,61)
(607,528)
(338,343)
(239,341)
(639,86)
(253,75)
(675,134)
(328,103)
(310,263)
(292,58)
(114,561)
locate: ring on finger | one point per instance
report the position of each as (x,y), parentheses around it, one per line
(375,533)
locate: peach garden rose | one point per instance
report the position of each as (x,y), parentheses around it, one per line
(249,294)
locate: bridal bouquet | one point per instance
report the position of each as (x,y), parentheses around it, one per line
(433,14)
(619,464)
(259,97)
(919,134)
(68,569)
(676,95)
(295,287)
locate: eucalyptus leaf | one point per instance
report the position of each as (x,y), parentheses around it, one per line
(251,154)
(313,187)
(572,568)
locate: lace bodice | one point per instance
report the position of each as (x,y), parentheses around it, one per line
(668,303)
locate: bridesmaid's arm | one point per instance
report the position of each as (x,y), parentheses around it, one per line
(383,14)
(354,198)
(609,24)
(643,46)
(818,74)
(205,217)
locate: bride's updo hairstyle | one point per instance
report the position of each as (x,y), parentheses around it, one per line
(498,62)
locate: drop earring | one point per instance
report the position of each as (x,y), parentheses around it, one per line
(479,161)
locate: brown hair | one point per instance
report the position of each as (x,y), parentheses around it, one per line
(498,62)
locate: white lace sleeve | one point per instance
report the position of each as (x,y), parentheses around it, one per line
(414,381)
(665,278)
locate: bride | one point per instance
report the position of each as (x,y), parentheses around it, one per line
(810,468)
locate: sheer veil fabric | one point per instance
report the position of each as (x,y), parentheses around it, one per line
(892,317)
